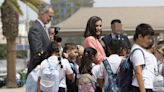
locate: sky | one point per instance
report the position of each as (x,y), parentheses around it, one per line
(127,3)
(31,15)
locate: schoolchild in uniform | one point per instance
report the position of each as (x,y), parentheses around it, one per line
(70,52)
(143,62)
(117,50)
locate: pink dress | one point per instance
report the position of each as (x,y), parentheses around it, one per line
(90,41)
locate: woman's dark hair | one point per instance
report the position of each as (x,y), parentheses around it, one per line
(143,29)
(91,26)
(87,60)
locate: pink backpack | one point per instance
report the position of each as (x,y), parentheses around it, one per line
(86,83)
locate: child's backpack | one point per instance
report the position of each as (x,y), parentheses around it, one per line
(125,73)
(86,83)
(50,79)
(112,78)
(121,81)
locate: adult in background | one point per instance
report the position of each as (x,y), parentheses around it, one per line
(38,35)
(53,31)
(92,34)
(117,33)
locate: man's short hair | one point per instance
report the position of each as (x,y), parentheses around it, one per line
(115,21)
(43,8)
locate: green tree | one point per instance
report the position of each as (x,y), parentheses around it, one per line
(10,12)
(65,8)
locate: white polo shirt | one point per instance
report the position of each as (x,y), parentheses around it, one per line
(148,72)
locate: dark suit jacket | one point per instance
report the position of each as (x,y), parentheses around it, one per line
(38,39)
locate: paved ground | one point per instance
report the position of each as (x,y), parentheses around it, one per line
(22,89)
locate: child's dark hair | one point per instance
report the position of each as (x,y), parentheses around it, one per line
(53,48)
(124,46)
(69,46)
(87,60)
(143,29)
(114,46)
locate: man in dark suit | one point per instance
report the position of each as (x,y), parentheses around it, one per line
(38,34)
(117,33)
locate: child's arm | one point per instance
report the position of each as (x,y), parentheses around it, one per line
(100,83)
(138,73)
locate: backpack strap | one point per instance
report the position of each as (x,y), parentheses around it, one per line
(74,70)
(141,51)
(107,67)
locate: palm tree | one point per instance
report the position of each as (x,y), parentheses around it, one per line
(10,12)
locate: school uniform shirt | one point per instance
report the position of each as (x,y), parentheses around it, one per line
(149,63)
(95,71)
(114,61)
(66,70)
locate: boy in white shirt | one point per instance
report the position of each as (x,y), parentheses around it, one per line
(115,48)
(143,62)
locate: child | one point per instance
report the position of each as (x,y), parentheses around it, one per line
(143,62)
(80,53)
(115,48)
(70,52)
(58,69)
(86,80)
(159,78)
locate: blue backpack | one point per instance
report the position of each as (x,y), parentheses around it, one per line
(121,81)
